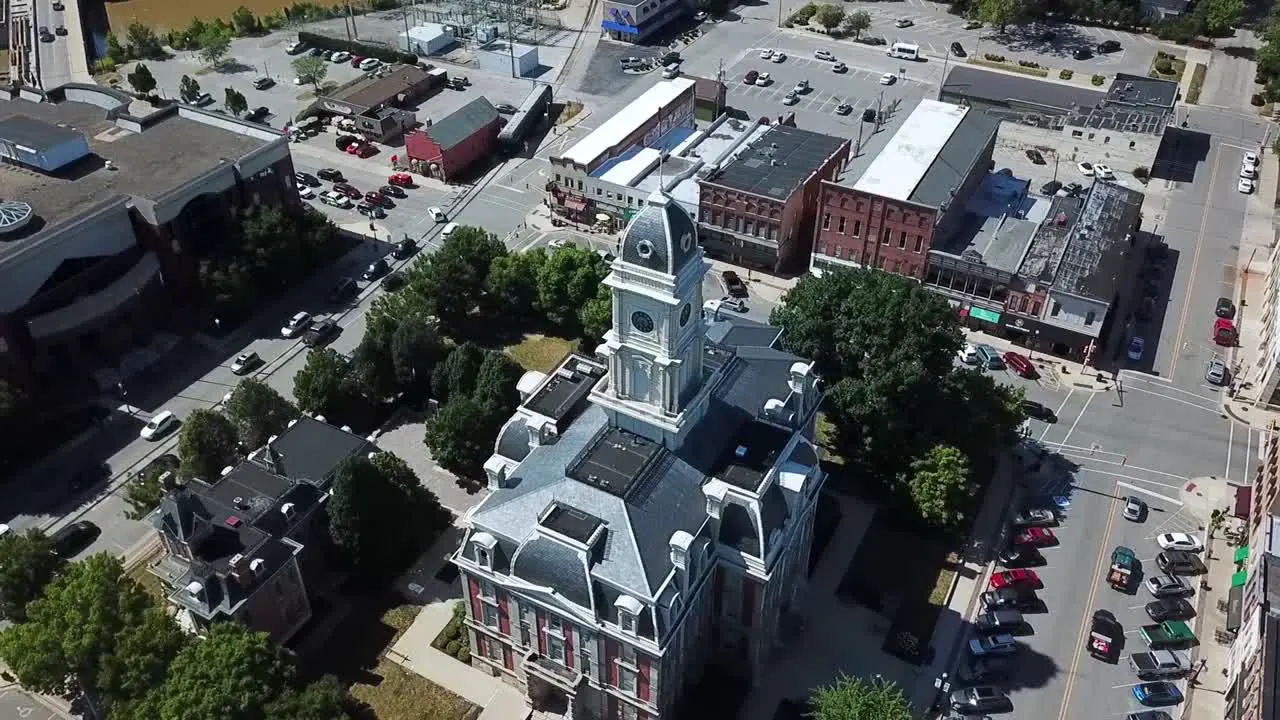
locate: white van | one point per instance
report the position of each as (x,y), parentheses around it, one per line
(671,71)
(905,51)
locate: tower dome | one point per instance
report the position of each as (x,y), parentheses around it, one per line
(661,237)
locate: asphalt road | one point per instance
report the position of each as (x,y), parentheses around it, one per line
(55,63)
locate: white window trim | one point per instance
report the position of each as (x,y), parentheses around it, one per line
(623,618)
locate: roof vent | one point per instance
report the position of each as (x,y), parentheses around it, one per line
(235,559)
(346,428)
(1128,86)
(273,437)
(238,501)
(287,510)
(194,588)
(320,418)
(740,452)
(293,422)
(256,564)
(108,164)
(232,521)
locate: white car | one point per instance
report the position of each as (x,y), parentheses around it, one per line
(161,423)
(902,23)
(1104,172)
(297,325)
(765,54)
(790,98)
(1251,158)
(1180,541)
(448,230)
(824,55)
(764,79)
(778,57)
(437,214)
(888,79)
(968,355)
(245,362)
(1245,186)
(699,16)
(992,645)
(340,57)
(1085,169)
(306,193)
(368,64)
(1248,172)
(801,88)
(299,80)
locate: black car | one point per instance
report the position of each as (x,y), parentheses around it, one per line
(1082,54)
(733,284)
(980,699)
(73,538)
(306,179)
(1225,308)
(1170,608)
(405,248)
(1149,715)
(1035,156)
(1074,188)
(330,175)
(344,290)
(393,191)
(320,333)
(1010,598)
(957,49)
(393,282)
(506,108)
(1177,562)
(1021,557)
(1050,188)
(1038,411)
(376,269)
(60,30)
(258,114)
(999,621)
(1108,46)
(263,83)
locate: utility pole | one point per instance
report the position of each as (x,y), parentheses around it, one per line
(719,86)
(879,110)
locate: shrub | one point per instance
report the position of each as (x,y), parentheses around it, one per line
(1098,79)
(1142,173)
(1065,74)
(464,654)
(994,58)
(1197,82)
(1257,100)
(452,648)
(1164,66)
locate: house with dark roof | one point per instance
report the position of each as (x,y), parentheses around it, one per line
(911,196)
(244,546)
(456,143)
(649,506)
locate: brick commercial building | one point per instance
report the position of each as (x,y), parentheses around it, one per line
(1253,601)
(379,104)
(104,215)
(915,189)
(758,210)
(650,514)
(456,144)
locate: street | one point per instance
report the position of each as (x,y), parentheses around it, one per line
(55,59)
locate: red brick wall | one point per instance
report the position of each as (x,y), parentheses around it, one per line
(642,677)
(567,629)
(610,656)
(870,216)
(477,612)
(504,617)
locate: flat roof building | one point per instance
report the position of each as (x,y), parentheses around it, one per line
(379,103)
(634,124)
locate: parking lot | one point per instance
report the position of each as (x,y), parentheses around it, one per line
(18,705)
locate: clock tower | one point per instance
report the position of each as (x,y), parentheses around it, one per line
(655,346)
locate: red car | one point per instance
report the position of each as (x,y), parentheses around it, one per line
(1020,364)
(1015,579)
(401,179)
(1035,536)
(376,198)
(356,60)
(1224,332)
(348,190)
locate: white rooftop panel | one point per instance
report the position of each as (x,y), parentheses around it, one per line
(898,169)
(631,170)
(617,128)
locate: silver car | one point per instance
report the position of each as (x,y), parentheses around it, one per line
(1134,508)
(1216,372)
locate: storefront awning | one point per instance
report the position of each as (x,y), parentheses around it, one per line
(1244,498)
(574,202)
(1242,553)
(619,27)
(1239,579)
(1235,604)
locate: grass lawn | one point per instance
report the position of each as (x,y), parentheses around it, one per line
(393,693)
(141,574)
(540,352)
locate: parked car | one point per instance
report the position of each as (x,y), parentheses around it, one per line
(1010,598)
(405,248)
(1224,332)
(1149,715)
(1039,411)
(1157,694)
(394,191)
(993,645)
(321,333)
(1245,186)
(1086,169)
(1224,308)
(902,23)
(1168,586)
(844,108)
(377,198)
(958,50)
(1020,557)
(1108,46)
(159,425)
(839,68)
(73,538)
(258,114)
(998,620)
(449,229)
(400,179)
(348,190)
(343,290)
(791,98)
(307,179)
(376,269)
(1020,364)
(751,77)
(1050,188)
(203,100)
(1170,608)
(980,699)
(297,47)
(778,58)
(1036,157)
(370,64)
(824,55)
(371,210)
(340,57)
(1180,541)
(1034,517)
(296,325)
(1015,578)
(245,362)
(972,25)
(506,108)
(1137,346)
(263,83)
(1082,53)
(1035,537)
(335,199)
(888,79)
(734,284)
(989,358)
(968,355)
(1134,508)
(330,175)
(1177,562)
(1104,172)
(1216,372)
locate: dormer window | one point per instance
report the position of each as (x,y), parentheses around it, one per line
(483,558)
(483,545)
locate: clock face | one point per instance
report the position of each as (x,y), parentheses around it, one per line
(685,312)
(642,322)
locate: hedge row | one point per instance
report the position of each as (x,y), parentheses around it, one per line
(382,52)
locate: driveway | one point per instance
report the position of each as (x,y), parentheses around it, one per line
(406,441)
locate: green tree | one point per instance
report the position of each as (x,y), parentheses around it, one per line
(257,411)
(191,34)
(145,489)
(512,285)
(456,376)
(856,23)
(188,89)
(852,698)
(321,700)
(143,652)
(829,16)
(941,488)
(141,80)
(143,42)
(1219,17)
(569,278)
(27,565)
(995,413)
(73,631)
(311,69)
(207,444)
(416,350)
(327,385)
(235,102)
(117,53)
(460,436)
(997,12)
(230,674)
(244,22)
(380,517)
(495,385)
(374,368)
(214,44)
(455,276)
(596,315)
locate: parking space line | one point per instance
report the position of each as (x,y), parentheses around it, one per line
(1135,488)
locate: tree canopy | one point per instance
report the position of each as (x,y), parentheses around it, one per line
(461,436)
(596,315)
(327,385)
(455,276)
(940,485)
(456,376)
(852,698)
(207,444)
(188,89)
(568,279)
(512,284)
(997,12)
(215,43)
(311,69)
(257,411)
(27,564)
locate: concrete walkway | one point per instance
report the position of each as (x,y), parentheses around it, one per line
(1207,687)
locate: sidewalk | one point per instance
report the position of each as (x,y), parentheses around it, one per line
(1055,372)
(1207,686)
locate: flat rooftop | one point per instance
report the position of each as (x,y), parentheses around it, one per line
(571,522)
(1140,91)
(372,90)
(589,150)
(163,158)
(874,143)
(1095,254)
(778,162)
(900,167)
(752,453)
(613,461)
(1041,260)
(566,388)
(1000,222)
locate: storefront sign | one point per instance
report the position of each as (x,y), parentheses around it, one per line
(984,314)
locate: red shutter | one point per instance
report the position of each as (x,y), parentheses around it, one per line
(477,613)
(507,660)
(542,633)
(568,645)
(642,678)
(504,618)
(610,657)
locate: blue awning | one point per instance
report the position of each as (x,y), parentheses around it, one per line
(619,27)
